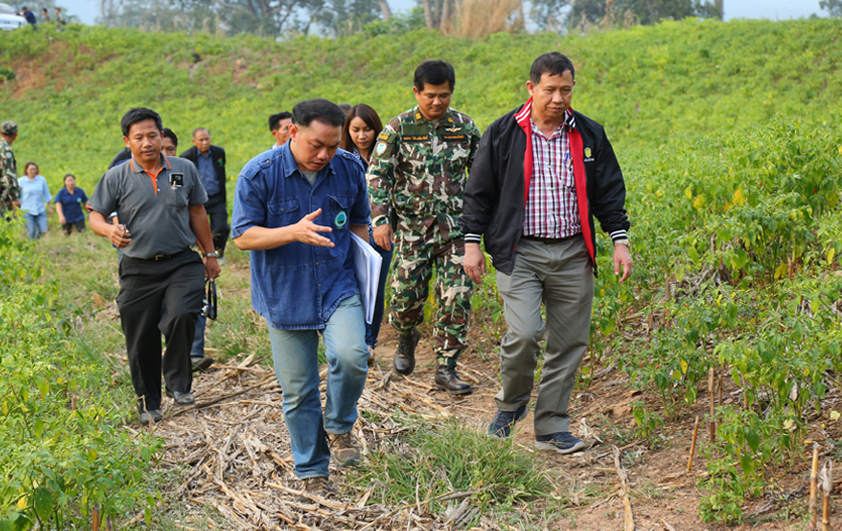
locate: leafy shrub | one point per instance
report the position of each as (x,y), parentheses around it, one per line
(63,454)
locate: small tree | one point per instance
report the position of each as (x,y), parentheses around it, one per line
(833,7)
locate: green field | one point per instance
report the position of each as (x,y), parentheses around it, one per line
(729,135)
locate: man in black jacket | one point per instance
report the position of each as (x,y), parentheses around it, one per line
(541,173)
(210,161)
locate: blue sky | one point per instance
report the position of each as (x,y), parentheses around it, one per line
(87,10)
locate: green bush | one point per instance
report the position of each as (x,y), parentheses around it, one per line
(64,454)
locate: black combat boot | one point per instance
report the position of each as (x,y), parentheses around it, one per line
(448,380)
(405,354)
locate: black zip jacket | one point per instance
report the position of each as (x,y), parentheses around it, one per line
(494,201)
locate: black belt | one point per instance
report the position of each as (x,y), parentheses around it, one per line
(547,240)
(162,257)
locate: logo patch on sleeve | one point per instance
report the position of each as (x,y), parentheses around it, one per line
(587,152)
(381,148)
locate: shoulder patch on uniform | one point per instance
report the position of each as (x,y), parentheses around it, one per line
(381,148)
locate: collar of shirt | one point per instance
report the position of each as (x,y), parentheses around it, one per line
(420,119)
(137,168)
(568,122)
(290,166)
(209,153)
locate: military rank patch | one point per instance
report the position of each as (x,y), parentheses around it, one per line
(384,136)
(381,148)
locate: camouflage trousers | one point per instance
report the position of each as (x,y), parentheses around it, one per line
(412,271)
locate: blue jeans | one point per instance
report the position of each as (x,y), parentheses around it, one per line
(373,330)
(198,348)
(295,353)
(36,224)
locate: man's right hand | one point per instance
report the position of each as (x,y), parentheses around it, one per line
(384,236)
(474,264)
(307,232)
(120,236)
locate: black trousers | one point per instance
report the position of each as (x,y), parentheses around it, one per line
(145,285)
(218,212)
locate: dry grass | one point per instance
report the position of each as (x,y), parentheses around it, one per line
(478,18)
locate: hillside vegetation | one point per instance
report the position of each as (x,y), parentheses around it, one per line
(729,135)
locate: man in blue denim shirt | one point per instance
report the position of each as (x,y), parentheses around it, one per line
(294,209)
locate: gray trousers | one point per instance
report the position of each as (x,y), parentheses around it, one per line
(561,276)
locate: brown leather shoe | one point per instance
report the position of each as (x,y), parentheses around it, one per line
(318,487)
(345,448)
(447,379)
(404,361)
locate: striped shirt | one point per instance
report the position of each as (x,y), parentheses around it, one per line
(551,209)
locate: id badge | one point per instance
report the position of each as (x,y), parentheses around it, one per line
(176,180)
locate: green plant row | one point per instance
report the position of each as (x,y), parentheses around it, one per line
(64,454)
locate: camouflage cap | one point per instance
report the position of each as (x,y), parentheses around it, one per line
(9,128)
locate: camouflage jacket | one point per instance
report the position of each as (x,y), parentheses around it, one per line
(9,189)
(418,168)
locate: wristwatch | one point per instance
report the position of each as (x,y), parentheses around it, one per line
(211,255)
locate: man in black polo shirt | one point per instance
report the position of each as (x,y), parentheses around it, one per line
(159,202)
(210,161)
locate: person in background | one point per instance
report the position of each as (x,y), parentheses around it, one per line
(45,15)
(35,200)
(279,127)
(362,125)
(210,161)
(60,20)
(70,204)
(30,17)
(9,189)
(169,143)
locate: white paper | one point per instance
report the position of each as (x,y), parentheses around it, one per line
(367,263)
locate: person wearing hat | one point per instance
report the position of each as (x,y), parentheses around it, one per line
(9,189)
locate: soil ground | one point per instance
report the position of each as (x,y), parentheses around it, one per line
(232,457)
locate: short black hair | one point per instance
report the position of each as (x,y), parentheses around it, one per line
(168,133)
(275,119)
(318,109)
(69,175)
(552,63)
(434,73)
(346,107)
(139,114)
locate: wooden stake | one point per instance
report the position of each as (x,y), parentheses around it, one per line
(814,472)
(96,518)
(693,444)
(667,294)
(624,491)
(826,485)
(745,392)
(719,390)
(711,379)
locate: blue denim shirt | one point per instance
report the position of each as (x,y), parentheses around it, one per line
(298,286)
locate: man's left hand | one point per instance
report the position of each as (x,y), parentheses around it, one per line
(212,268)
(622,258)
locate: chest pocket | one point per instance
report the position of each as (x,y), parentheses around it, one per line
(340,212)
(177,197)
(283,213)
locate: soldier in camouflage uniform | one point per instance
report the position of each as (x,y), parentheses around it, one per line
(416,179)
(9,189)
